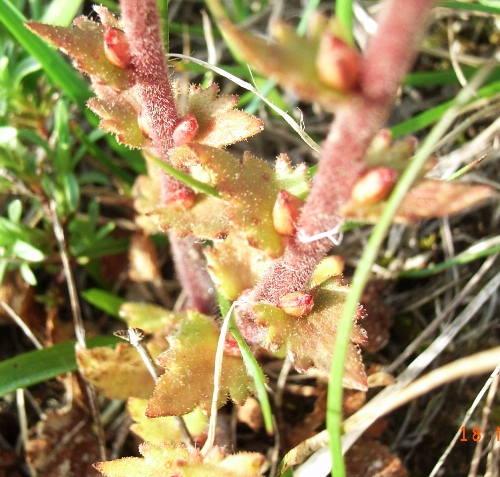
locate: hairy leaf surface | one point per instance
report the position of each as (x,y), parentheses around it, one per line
(235,266)
(250,188)
(175,460)
(165,429)
(189,369)
(219,123)
(84,43)
(426,199)
(117,373)
(291,60)
(309,339)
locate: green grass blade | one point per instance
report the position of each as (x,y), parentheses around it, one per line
(37,366)
(474,252)
(251,364)
(445,77)
(105,301)
(57,70)
(185,178)
(430,116)
(256,373)
(471,7)
(344,14)
(61,12)
(102,157)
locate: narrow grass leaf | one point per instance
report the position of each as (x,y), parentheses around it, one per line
(432,115)
(475,252)
(37,366)
(105,301)
(485,7)
(335,392)
(57,70)
(255,371)
(61,12)
(185,178)
(251,364)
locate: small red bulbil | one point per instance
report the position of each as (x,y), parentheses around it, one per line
(186,130)
(296,303)
(338,64)
(286,212)
(116,48)
(374,185)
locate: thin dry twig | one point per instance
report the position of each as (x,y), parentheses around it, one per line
(484,421)
(78,325)
(478,363)
(468,414)
(135,337)
(452,305)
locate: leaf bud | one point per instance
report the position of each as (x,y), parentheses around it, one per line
(182,199)
(296,303)
(116,48)
(286,212)
(338,64)
(374,185)
(186,130)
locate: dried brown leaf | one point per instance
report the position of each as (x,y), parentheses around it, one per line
(65,444)
(371,458)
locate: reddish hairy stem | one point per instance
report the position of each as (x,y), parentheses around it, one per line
(390,54)
(191,272)
(141,24)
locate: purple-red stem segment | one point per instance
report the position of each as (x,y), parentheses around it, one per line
(389,56)
(141,24)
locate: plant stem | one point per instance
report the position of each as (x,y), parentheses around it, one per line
(389,56)
(141,23)
(191,273)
